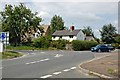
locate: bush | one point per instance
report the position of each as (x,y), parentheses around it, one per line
(59,44)
(116,45)
(42,42)
(83,45)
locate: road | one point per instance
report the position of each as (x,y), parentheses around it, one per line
(47,64)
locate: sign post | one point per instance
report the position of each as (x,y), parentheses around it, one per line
(4,37)
(1,47)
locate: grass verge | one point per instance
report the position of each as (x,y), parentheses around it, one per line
(28,48)
(9,55)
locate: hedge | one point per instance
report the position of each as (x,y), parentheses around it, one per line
(79,45)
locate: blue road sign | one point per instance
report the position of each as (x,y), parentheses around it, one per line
(2,35)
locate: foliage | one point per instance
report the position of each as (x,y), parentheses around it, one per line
(19,20)
(79,45)
(20,47)
(88,31)
(116,45)
(42,42)
(56,24)
(59,44)
(117,39)
(6,55)
(107,33)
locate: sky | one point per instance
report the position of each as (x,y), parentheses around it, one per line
(74,12)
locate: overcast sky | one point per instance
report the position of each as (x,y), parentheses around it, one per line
(79,14)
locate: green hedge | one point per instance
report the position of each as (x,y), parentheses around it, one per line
(59,44)
(42,42)
(78,45)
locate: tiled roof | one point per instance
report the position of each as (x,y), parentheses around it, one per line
(66,33)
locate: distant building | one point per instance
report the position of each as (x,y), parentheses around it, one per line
(69,35)
(46,29)
(89,38)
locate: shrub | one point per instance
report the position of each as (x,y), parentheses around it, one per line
(59,44)
(116,45)
(42,42)
(83,45)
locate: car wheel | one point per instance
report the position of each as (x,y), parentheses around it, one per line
(99,50)
(109,50)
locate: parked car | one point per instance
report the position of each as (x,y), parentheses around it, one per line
(111,47)
(101,48)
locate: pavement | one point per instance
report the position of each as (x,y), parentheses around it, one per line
(48,64)
(105,66)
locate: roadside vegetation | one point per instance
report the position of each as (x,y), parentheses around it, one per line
(9,54)
(21,23)
(83,45)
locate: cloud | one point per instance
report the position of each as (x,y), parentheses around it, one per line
(94,14)
(43,14)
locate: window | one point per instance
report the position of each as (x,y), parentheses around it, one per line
(60,37)
(71,36)
(53,36)
(33,35)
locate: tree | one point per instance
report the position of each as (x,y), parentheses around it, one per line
(107,33)
(56,24)
(117,39)
(19,20)
(87,31)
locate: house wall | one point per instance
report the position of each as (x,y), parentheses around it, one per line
(56,38)
(80,36)
(68,38)
(65,38)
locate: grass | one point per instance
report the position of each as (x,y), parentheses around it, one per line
(28,48)
(9,54)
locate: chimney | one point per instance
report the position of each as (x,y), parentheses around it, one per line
(71,28)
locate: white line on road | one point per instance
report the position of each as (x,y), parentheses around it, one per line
(42,52)
(66,70)
(1,67)
(46,76)
(58,55)
(45,59)
(73,68)
(38,61)
(56,73)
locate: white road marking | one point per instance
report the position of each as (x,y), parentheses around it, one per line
(45,59)
(1,67)
(66,70)
(38,61)
(33,62)
(27,63)
(57,73)
(58,55)
(73,68)
(42,52)
(46,76)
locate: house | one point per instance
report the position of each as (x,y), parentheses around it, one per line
(89,38)
(69,35)
(45,32)
(46,29)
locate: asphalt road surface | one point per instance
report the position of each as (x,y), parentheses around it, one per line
(47,64)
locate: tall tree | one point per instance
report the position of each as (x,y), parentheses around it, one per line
(107,33)
(57,23)
(88,31)
(19,20)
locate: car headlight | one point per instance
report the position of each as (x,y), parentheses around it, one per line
(95,48)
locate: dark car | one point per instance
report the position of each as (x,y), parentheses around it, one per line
(111,47)
(101,48)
